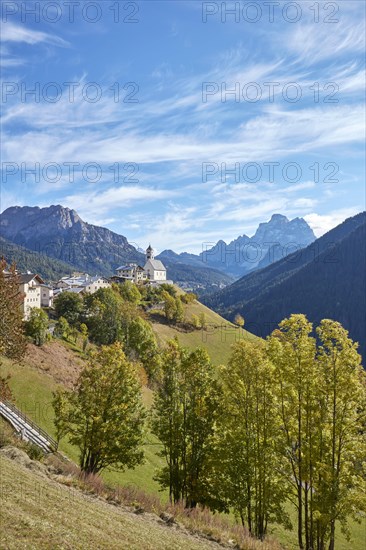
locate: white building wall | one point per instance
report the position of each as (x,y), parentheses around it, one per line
(32,298)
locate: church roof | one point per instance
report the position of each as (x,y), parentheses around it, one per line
(156,264)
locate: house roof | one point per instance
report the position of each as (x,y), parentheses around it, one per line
(130,267)
(126,267)
(75,289)
(28,277)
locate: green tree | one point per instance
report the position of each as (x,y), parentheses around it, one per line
(142,344)
(12,341)
(195,321)
(69,305)
(169,305)
(184,414)
(248,467)
(179,311)
(74,333)
(104,416)
(84,335)
(108,316)
(62,328)
(37,326)
(130,292)
(188,297)
(170,289)
(202,320)
(340,482)
(292,351)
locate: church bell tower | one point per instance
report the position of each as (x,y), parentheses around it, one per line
(149,253)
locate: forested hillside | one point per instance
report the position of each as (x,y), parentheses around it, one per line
(27,260)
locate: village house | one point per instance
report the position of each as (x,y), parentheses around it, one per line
(83,283)
(153,272)
(46,295)
(30,287)
(131,272)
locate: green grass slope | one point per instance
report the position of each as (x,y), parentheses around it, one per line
(217,338)
(33,389)
(37,512)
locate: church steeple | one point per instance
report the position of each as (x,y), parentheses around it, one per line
(149,253)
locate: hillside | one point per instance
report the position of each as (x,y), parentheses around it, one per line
(37,512)
(217,338)
(32,387)
(27,260)
(325,280)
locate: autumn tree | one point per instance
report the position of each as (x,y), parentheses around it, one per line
(12,341)
(5,392)
(104,415)
(239,320)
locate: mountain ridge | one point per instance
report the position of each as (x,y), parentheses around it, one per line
(324,280)
(271,241)
(59,232)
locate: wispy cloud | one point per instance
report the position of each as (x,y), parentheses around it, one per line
(18,33)
(170,132)
(102,201)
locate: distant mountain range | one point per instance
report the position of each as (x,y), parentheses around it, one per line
(59,233)
(272,241)
(327,279)
(32,236)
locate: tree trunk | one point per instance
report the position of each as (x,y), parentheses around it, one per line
(332,535)
(299,517)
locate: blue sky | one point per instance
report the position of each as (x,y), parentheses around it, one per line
(167,160)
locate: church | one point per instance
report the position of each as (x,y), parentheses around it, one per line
(154,269)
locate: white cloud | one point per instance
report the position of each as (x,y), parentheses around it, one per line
(322,223)
(17,33)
